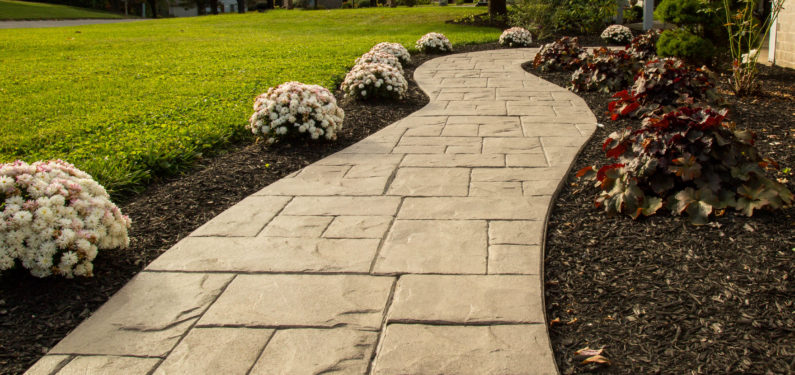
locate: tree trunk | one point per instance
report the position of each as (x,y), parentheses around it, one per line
(392,3)
(241,6)
(153,5)
(497,8)
(289,4)
(214,6)
(201,7)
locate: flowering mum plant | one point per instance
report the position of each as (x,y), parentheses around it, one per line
(690,161)
(294,108)
(661,83)
(562,54)
(617,34)
(380,58)
(606,70)
(644,46)
(372,80)
(54,218)
(516,37)
(394,49)
(434,43)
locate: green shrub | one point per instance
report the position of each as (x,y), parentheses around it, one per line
(346,5)
(544,17)
(682,12)
(690,161)
(362,3)
(633,14)
(686,46)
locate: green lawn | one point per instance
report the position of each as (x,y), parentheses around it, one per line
(128,101)
(23,10)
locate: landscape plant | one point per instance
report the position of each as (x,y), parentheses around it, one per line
(380,58)
(293,109)
(434,43)
(373,80)
(644,46)
(516,37)
(394,49)
(617,34)
(605,70)
(746,36)
(546,17)
(690,161)
(685,45)
(54,218)
(697,28)
(660,83)
(562,54)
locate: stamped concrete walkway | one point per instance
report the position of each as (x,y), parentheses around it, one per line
(414,251)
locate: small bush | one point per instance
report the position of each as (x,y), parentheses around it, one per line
(690,161)
(516,37)
(380,58)
(408,3)
(563,54)
(682,12)
(346,5)
(633,14)
(394,49)
(54,218)
(606,71)
(362,3)
(371,80)
(644,46)
(617,34)
(663,83)
(685,45)
(294,108)
(434,43)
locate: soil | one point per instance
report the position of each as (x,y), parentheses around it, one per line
(660,295)
(37,313)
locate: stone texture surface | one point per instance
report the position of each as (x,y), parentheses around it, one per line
(146,317)
(108,365)
(317,351)
(302,300)
(216,351)
(476,350)
(467,299)
(436,220)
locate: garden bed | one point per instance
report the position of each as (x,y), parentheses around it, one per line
(37,313)
(661,295)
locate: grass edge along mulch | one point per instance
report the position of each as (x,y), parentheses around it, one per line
(661,295)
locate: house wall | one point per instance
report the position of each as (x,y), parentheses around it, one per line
(785,36)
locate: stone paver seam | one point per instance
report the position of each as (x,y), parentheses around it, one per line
(385,234)
(262,350)
(274,216)
(384,320)
(193,325)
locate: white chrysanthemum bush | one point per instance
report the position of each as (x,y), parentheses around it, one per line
(54,218)
(516,37)
(618,34)
(372,80)
(434,43)
(377,57)
(394,49)
(295,109)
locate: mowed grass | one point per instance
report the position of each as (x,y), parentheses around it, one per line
(127,102)
(24,10)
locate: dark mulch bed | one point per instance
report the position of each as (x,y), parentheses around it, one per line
(663,296)
(37,313)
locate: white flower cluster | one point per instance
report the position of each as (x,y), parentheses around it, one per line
(394,49)
(294,107)
(377,57)
(516,37)
(371,80)
(617,34)
(54,218)
(434,42)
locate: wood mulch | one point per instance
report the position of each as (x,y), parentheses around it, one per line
(37,313)
(661,295)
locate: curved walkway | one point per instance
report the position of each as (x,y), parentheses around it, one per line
(414,251)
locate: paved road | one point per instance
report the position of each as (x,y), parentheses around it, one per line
(58,23)
(415,251)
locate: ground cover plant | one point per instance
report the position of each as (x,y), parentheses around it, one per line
(516,37)
(605,70)
(130,102)
(25,10)
(659,294)
(562,54)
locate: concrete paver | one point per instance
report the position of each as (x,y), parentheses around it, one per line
(417,250)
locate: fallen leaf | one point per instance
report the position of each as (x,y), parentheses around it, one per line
(596,359)
(588,352)
(554,321)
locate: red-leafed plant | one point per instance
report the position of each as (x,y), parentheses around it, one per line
(605,70)
(562,54)
(663,83)
(644,46)
(691,161)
